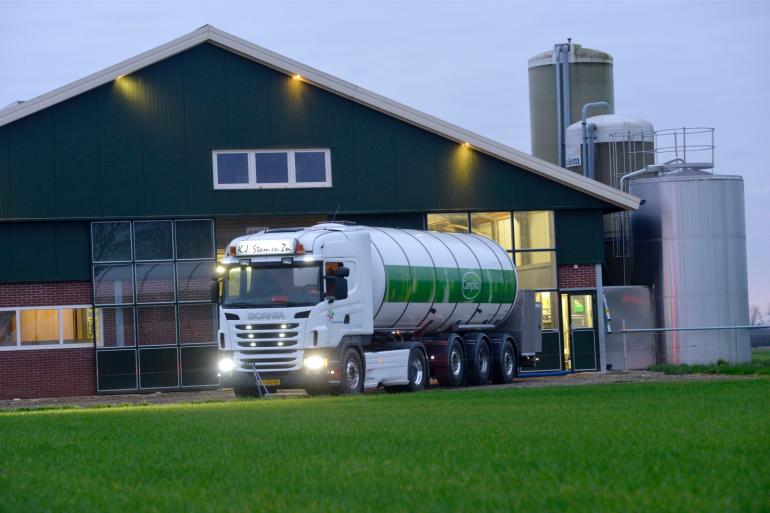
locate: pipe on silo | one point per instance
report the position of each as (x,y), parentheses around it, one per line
(559,104)
(561,53)
(588,149)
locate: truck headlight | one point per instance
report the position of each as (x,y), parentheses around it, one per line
(226,364)
(315,362)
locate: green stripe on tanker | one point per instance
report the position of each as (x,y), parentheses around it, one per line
(418,284)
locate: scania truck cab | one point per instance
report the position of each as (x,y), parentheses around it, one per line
(336,308)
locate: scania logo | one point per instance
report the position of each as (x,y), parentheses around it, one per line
(256,316)
(471,285)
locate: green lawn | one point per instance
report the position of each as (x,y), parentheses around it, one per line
(698,446)
(760,364)
(760,355)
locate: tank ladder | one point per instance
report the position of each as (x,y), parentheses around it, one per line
(262,389)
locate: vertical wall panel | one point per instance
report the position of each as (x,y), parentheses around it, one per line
(164,157)
(205,95)
(76,146)
(120,148)
(5,176)
(31,164)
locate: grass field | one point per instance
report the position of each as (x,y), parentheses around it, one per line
(691,446)
(760,364)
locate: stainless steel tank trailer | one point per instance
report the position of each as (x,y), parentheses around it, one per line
(338,308)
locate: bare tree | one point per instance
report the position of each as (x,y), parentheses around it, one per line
(755,316)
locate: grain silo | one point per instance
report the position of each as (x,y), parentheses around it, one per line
(561,81)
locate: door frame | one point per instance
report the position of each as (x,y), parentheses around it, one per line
(567,330)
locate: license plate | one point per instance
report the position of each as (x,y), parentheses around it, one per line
(271,382)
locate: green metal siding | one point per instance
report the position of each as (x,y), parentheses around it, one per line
(45,252)
(141,147)
(579,237)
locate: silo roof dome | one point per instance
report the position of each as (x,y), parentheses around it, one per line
(577,54)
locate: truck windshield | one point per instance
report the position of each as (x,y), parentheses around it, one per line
(272,287)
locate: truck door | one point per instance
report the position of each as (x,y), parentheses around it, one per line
(345,316)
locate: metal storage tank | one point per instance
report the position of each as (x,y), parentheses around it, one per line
(590,79)
(621,145)
(689,244)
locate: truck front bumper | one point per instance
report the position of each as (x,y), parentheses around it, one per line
(293,379)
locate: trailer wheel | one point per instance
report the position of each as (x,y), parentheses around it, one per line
(504,368)
(244,391)
(352,379)
(480,366)
(417,370)
(452,375)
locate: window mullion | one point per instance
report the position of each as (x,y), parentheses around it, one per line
(18,327)
(290,156)
(252,168)
(61,326)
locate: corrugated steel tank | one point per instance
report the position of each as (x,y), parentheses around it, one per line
(628,134)
(590,81)
(436,281)
(689,244)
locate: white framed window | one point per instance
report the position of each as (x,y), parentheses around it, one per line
(46,327)
(272,169)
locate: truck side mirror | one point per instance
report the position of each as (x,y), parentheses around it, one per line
(340,287)
(342,272)
(214,291)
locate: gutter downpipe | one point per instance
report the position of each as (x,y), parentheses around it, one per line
(588,149)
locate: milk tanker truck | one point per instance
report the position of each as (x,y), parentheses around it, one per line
(339,308)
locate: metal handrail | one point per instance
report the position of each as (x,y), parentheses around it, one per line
(699,328)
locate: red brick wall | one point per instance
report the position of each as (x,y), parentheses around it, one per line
(577,276)
(46,293)
(47,373)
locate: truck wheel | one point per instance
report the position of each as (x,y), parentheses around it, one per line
(417,370)
(243,391)
(504,368)
(452,375)
(352,379)
(480,364)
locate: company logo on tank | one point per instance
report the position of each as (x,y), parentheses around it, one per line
(471,285)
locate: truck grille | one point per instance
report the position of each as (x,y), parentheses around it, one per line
(268,346)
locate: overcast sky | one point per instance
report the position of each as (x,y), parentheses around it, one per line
(676,64)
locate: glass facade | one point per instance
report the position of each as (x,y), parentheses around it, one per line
(529,238)
(452,223)
(153,303)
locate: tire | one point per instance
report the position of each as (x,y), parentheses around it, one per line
(505,365)
(417,370)
(245,391)
(352,379)
(452,375)
(479,361)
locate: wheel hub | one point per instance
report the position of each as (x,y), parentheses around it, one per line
(417,371)
(352,374)
(455,362)
(508,363)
